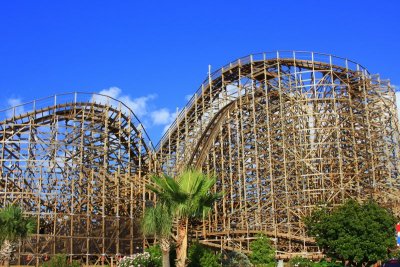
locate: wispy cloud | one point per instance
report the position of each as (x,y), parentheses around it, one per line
(14,102)
(113,92)
(143,107)
(154,118)
(139,105)
(163,117)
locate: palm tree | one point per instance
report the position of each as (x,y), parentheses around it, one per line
(158,221)
(13,227)
(188,197)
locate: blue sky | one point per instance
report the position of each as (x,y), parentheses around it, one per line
(154,54)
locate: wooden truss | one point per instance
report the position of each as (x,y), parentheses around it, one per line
(283,132)
(77,167)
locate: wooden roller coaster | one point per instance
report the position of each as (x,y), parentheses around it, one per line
(282,132)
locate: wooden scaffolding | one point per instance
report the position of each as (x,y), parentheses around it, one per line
(283,132)
(75,162)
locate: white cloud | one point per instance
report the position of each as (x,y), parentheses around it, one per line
(14,101)
(162,116)
(113,92)
(142,107)
(172,118)
(139,105)
(17,109)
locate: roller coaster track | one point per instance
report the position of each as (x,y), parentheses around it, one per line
(210,89)
(282,132)
(22,122)
(79,167)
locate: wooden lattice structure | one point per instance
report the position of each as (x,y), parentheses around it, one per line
(282,132)
(76,162)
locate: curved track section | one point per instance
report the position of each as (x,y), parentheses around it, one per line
(284,132)
(76,162)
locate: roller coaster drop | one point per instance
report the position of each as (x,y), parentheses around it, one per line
(282,132)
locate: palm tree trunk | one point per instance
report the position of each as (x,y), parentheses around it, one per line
(6,251)
(181,250)
(165,259)
(165,247)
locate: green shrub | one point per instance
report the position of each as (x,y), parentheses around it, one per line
(60,260)
(359,233)
(155,255)
(395,254)
(262,253)
(201,256)
(75,264)
(324,263)
(300,262)
(195,252)
(236,259)
(210,259)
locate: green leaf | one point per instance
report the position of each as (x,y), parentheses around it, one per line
(356,232)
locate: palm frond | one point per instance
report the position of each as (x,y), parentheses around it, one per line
(157,221)
(13,224)
(187,196)
(167,189)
